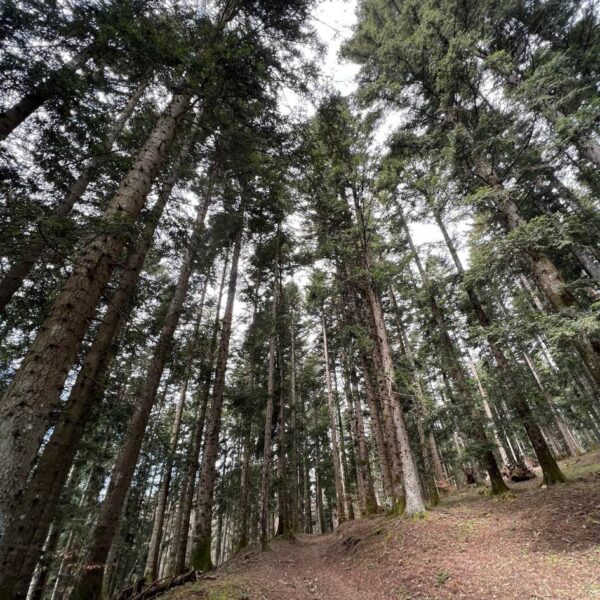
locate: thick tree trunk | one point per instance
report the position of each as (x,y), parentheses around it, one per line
(35,391)
(265,488)
(337,469)
(543,270)
(11,118)
(43,491)
(89,585)
(36,246)
(202,530)
(412,489)
(420,407)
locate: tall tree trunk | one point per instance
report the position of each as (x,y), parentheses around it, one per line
(177,559)
(202,530)
(294,500)
(410,476)
(41,496)
(265,489)
(245,491)
(419,407)
(550,468)
(12,117)
(34,393)
(543,270)
(369,501)
(337,469)
(89,585)
(36,246)
(453,365)
(151,569)
(344,457)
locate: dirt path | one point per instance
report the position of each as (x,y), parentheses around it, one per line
(537,544)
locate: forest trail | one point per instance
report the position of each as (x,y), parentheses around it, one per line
(541,543)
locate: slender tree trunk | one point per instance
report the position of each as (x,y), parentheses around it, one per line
(452,363)
(245,491)
(550,468)
(151,570)
(201,560)
(294,503)
(34,393)
(36,246)
(177,560)
(11,118)
(337,469)
(344,461)
(89,585)
(369,502)
(40,498)
(318,489)
(265,489)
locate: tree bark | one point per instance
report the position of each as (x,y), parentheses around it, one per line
(550,468)
(89,585)
(369,501)
(40,498)
(151,569)
(265,488)
(453,365)
(337,469)
(34,393)
(177,559)
(201,560)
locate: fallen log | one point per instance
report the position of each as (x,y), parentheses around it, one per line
(142,591)
(518,472)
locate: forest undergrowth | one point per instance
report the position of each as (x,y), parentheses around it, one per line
(533,543)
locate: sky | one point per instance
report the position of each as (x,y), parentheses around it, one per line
(334,20)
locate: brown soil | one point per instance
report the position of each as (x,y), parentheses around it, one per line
(539,543)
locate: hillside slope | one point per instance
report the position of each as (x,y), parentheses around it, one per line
(543,543)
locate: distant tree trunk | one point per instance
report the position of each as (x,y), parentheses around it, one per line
(543,270)
(21,268)
(294,501)
(265,489)
(318,489)
(11,118)
(344,461)
(337,469)
(550,468)
(34,393)
(307,496)
(454,367)
(151,569)
(41,497)
(245,491)
(369,501)
(201,560)
(177,559)
(89,585)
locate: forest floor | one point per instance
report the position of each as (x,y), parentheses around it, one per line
(539,543)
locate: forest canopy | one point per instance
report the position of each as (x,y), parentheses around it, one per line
(223,320)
